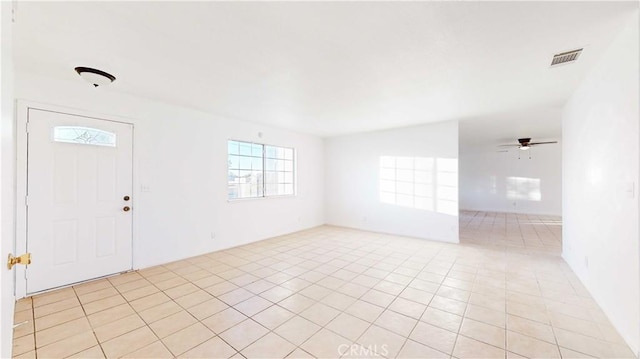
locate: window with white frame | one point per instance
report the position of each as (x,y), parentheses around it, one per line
(257,170)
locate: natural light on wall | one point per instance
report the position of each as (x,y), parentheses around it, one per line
(524,188)
(424,183)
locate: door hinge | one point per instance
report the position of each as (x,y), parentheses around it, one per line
(14,10)
(26,200)
(26,127)
(23,259)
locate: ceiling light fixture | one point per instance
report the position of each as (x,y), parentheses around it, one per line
(524,148)
(94,76)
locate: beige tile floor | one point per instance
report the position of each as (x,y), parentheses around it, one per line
(535,234)
(329,292)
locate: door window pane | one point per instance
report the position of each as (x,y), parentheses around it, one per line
(84,135)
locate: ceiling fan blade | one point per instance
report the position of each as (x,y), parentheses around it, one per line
(542,143)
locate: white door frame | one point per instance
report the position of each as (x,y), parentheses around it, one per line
(22,113)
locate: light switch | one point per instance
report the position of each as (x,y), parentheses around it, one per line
(630,189)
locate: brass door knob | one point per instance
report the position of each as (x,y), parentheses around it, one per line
(126,209)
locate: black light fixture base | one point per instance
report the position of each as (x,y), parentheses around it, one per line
(83,70)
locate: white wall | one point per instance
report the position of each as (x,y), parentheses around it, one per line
(181,155)
(500,182)
(7,161)
(600,183)
(352,184)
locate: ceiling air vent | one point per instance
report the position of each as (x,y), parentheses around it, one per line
(566,57)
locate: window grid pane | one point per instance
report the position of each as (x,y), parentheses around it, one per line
(279,176)
(257,170)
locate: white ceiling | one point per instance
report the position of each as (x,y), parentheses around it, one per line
(332,68)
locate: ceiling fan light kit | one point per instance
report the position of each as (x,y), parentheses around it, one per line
(524,144)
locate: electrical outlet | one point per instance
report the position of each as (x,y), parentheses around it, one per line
(213,235)
(586,262)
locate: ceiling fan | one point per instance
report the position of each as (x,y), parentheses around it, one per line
(525,143)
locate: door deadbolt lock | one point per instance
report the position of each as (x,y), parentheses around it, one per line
(126,198)
(126,209)
(23,259)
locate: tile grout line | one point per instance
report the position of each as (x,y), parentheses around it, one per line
(278,250)
(396,297)
(33,314)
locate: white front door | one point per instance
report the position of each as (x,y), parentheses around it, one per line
(79,200)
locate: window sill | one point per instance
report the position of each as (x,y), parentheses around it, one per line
(239,200)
